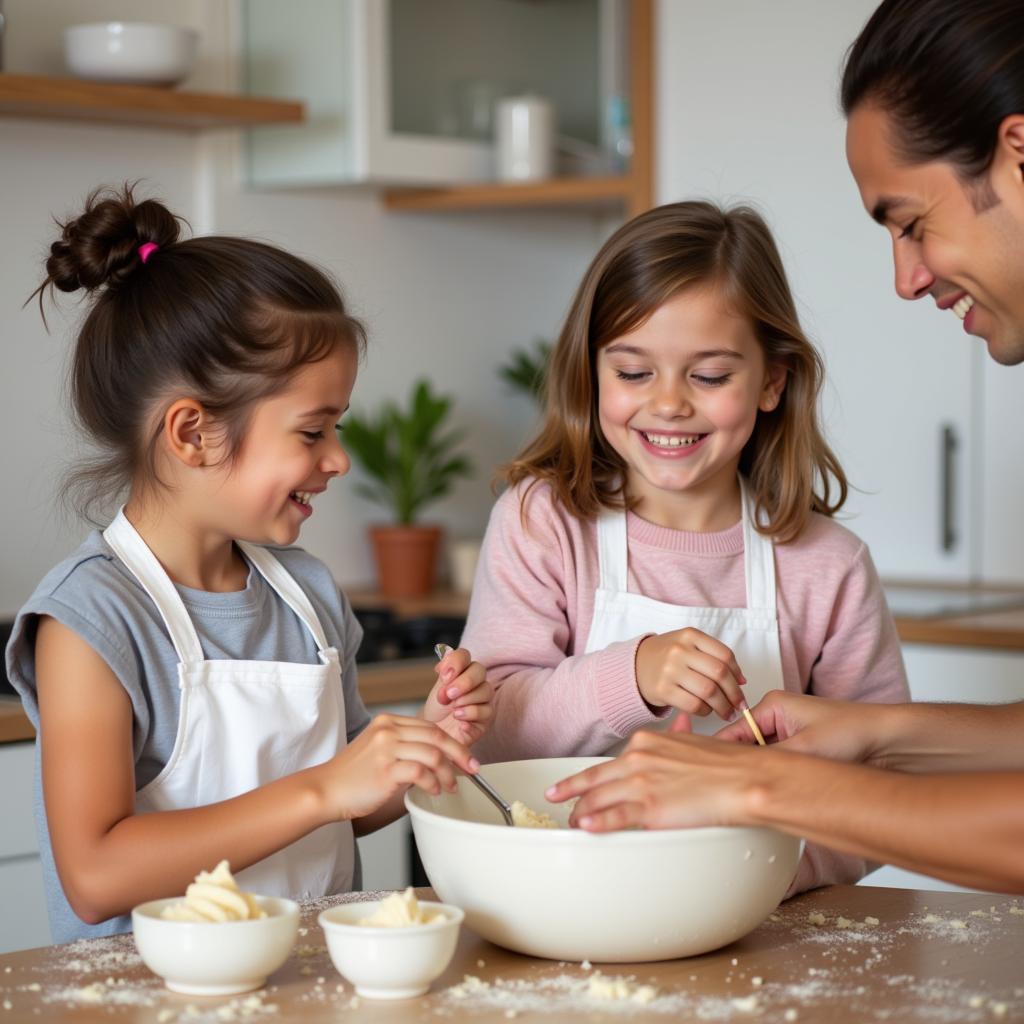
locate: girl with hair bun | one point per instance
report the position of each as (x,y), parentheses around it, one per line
(190,674)
(667,544)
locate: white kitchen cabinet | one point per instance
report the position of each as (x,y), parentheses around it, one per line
(1002,492)
(402,91)
(966,674)
(23,922)
(747,108)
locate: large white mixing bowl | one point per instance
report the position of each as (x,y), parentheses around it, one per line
(622,897)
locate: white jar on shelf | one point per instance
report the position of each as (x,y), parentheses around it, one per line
(524,139)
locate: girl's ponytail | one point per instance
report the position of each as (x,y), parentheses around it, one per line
(100,247)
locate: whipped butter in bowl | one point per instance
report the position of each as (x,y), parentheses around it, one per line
(391,948)
(214,896)
(217,939)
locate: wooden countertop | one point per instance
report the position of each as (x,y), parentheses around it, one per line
(961,615)
(931,957)
(995,630)
(14,724)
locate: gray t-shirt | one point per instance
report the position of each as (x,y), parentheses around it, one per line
(93,593)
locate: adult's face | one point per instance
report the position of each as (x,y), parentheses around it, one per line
(962,244)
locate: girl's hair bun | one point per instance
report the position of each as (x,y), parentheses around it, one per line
(101,245)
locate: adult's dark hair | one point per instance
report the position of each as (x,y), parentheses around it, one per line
(224,320)
(947,71)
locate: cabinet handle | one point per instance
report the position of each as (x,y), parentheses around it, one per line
(948,525)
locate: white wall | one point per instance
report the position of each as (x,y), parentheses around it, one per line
(747,105)
(444,296)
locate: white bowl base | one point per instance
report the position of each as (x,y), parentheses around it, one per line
(391,993)
(231,989)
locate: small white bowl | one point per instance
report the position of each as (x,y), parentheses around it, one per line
(133,53)
(390,963)
(215,958)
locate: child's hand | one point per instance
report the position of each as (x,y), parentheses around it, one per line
(460,702)
(691,671)
(391,754)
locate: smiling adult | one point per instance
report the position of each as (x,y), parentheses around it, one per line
(934,97)
(933,93)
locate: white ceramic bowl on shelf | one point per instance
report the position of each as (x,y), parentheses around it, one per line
(390,963)
(132,53)
(623,897)
(215,958)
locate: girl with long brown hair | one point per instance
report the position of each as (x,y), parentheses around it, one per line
(667,544)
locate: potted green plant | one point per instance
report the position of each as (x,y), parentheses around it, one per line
(408,461)
(527,369)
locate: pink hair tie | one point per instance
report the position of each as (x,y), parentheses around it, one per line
(147,249)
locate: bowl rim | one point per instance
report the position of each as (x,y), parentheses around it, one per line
(453,916)
(148,911)
(651,836)
(108,25)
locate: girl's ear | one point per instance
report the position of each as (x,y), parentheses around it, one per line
(186,432)
(774,385)
(1010,144)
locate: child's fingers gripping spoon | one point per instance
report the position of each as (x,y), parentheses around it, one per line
(481,783)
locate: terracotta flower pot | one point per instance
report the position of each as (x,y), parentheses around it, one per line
(406,558)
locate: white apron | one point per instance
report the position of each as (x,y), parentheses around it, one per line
(243,724)
(752,633)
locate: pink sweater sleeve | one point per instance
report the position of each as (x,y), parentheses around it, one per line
(548,702)
(860,660)
(861,657)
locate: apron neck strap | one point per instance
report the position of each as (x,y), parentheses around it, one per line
(758,554)
(287,589)
(129,546)
(613,550)
(758,558)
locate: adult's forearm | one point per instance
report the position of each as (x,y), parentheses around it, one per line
(952,738)
(964,828)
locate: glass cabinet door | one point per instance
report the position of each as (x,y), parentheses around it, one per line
(404,91)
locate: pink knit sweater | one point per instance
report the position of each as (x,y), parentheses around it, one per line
(532,606)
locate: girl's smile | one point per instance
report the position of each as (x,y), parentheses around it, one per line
(290,452)
(678,399)
(671,446)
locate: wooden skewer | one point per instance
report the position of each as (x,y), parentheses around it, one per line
(753,725)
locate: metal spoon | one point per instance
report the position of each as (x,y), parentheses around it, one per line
(478,780)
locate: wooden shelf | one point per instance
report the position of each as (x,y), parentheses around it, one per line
(38,96)
(582,192)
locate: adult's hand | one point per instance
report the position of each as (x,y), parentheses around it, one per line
(667,781)
(803,724)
